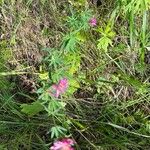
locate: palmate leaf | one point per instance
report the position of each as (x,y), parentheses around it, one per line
(57,131)
(55,107)
(106,39)
(44,76)
(32,109)
(72,60)
(73,86)
(104,42)
(79,21)
(69,42)
(81,36)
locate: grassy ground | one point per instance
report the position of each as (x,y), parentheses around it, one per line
(107,106)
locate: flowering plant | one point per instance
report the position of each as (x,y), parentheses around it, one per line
(63,72)
(64,144)
(93,22)
(60,88)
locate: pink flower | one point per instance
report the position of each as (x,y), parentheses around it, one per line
(60,88)
(64,144)
(93,22)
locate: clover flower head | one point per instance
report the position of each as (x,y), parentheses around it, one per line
(60,88)
(64,144)
(93,22)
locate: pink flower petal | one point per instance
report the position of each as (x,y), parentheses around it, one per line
(68,141)
(63,81)
(55,86)
(60,88)
(64,144)
(93,22)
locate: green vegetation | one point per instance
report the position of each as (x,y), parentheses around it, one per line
(78,69)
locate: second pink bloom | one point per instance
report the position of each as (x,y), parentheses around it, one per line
(60,88)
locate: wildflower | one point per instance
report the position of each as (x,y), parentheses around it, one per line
(64,144)
(93,22)
(60,88)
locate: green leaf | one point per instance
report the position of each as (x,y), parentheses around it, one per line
(104,42)
(73,86)
(80,36)
(44,76)
(32,109)
(57,131)
(54,107)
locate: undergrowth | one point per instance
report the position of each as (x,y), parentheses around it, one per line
(75,69)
